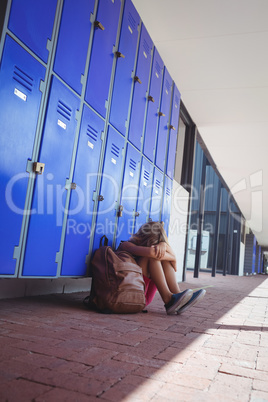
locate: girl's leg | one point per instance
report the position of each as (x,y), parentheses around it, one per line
(153,269)
(170,277)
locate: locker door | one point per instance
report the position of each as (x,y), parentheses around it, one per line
(163,121)
(73,41)
(124,67)
(155,210)
(153,105)
(102,55)
(145,190)
(140,88)
(49,196)
(129,195)
(173,134)
(79,220)
(166,203)
(20,76)
(32,22)
(109,189)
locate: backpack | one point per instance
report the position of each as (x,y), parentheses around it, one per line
(117,283)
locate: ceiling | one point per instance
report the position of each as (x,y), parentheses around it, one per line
(217,53)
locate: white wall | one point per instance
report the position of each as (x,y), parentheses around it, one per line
(241,260)
(178,225)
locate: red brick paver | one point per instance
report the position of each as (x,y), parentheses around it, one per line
(53,349)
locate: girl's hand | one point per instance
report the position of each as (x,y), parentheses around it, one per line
(159,250)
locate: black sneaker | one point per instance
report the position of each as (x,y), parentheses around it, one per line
(178,300)
(196,297)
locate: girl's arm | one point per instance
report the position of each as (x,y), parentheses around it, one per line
(139,251)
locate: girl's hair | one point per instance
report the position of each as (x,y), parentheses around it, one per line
(149,234)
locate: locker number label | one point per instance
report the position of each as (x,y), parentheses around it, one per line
(61,124)
(131,174)
(20,94)
(113,161)
(90,144)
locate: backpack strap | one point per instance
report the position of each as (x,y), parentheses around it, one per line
(104,239)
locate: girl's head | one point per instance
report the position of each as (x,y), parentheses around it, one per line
(149,234)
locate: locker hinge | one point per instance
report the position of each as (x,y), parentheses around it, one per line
(136,79)
(120,211)
(38,167)
(150,98)
(98,24)
(58,257)
(102,135)
(161,114)
(172,127)
(16,252)
(49,45)
(82,80)
(42,86)
(119,54)
(77,114)
(70,185)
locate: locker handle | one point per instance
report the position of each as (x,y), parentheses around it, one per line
(73,186)
(137,214)
(161,114)
(98,24)
(38,167)
(150,98)
(136,79)
(172,127)
(100,198)
(120,211)
(119,54)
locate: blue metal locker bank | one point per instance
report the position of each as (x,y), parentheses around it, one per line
(163,128)
(49,197)
(144,196)
(126,55)
(32,22)
(110,188)
(173,133)
(141,80)
(73,41)
(102,56)
(153,106)
(156,197)
(126,210)
(20,77)
(81,208)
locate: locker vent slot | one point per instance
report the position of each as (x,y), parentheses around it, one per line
(167,85)
(132,164)
(157,183)
(115,150)
(92,133)
(64,110)
(22,78)
(146,175)
(132,23)
(168,192)
(157,69)
(146,48)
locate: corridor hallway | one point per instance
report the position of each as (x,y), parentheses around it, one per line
(53,349)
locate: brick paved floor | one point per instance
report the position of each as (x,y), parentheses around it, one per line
(52,349)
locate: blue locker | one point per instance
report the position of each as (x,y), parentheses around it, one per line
(144,196)
(110,187)
(32,22)
(153,105)
(163,121)
(129,195)
(102,55)
(166,203)
(49,196)
(79,220)
(73,41)
(173,133)
(124,67)
(157,191)
(20,76)
(141,80)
